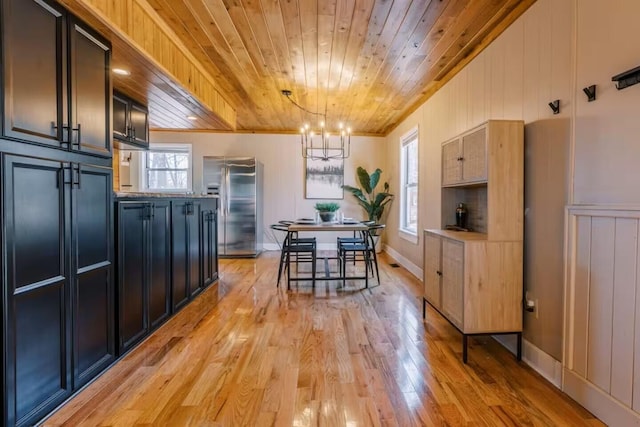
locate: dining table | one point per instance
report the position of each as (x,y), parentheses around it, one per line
(318,227)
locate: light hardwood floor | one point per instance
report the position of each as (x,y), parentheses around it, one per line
(264,356)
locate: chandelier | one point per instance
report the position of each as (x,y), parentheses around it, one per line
(319,144)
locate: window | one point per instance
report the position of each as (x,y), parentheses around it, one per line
(409,183)
(167,167)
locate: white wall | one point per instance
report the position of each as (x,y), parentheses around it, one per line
(284,172)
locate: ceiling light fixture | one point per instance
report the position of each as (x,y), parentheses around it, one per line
(321,150)
(121,71)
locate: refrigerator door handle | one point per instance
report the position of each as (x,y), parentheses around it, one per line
(228,190)
(223,191)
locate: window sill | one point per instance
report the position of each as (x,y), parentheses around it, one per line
(408,236)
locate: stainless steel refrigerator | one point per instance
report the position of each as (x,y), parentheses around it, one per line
(238,183)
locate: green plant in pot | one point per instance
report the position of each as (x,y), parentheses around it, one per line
(373,202)
(327,211)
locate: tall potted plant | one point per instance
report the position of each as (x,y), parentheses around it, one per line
(373,202)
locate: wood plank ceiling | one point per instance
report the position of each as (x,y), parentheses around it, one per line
(368,63)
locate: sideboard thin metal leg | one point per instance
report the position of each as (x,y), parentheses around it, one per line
(519,353)
(424,308)
(464,347)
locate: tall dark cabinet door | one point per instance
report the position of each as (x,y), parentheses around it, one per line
(195,231)
(90,92)
(93,291)
(180,253)
(34,91)
(36,254)
(132,297)
(159,265)
(209,243)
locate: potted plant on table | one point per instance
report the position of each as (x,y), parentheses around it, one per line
(373,202)
(327,211)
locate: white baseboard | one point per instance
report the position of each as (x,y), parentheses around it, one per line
(538,360)
(411,267)
(602,405)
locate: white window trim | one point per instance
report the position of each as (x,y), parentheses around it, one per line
(142,176)
(405,233)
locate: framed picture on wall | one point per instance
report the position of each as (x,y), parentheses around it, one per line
(324,178)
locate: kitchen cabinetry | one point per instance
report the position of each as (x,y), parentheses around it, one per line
(130,121)
(185,216)
(144,239)
(58,94)
(209,237)
(58,316)
(474,279)
(464,158)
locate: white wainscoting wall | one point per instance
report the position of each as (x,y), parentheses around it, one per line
(602,312)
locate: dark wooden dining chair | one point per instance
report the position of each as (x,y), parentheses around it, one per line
(361,249)
(294,250)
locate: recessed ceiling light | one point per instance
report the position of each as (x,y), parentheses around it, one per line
(121,71)
(192,118)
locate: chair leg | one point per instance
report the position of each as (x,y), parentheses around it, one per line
(366,269)
(280,267)
(313,268)
(375,262)
(288,267)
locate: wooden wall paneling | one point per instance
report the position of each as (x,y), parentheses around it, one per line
(635,403)
(496,73)
(531,44)
(477,91)
(462,103)
(601,302)
(513,82)
(579,317)
(545,64)
(624,308)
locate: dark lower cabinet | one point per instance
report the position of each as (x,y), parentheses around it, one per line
(209,239)
(58,295)
(144,238)
(185,249)
(92,249)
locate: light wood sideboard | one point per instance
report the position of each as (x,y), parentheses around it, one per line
(474,279)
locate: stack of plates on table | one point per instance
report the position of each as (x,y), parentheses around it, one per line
(305,221)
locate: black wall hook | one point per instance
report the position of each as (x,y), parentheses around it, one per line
(626,79)
(590,92)
(555,106)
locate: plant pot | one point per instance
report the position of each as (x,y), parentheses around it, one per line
(327,216)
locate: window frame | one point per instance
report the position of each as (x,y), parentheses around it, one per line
(406,140)
(165,148)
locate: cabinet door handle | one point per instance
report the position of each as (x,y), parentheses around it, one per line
(77,168)
(79,138)
(63,140)
(133,133)
(439,273)
(460,159)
